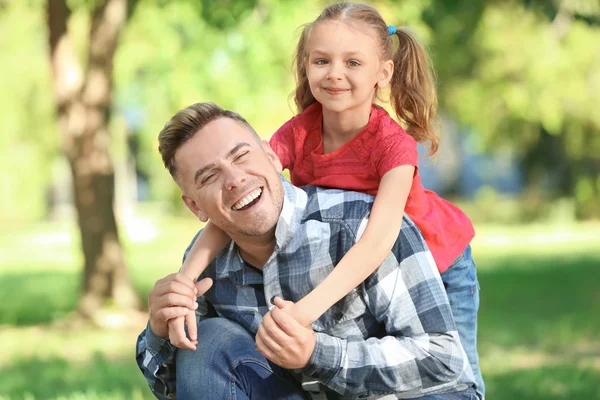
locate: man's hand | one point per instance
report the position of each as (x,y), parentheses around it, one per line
(172,297)
(282,340)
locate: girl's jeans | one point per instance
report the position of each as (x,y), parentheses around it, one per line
(462,287)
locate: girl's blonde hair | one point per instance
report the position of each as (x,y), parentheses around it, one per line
(412,87)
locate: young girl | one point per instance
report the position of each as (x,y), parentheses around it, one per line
(340,139)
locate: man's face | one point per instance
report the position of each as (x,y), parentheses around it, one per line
(228,176)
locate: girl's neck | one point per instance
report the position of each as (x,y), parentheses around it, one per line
(341,127)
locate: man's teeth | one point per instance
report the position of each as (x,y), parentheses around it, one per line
(247,199)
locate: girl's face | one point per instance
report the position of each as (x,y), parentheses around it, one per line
(343,66)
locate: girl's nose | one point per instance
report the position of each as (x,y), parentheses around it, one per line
(334,72)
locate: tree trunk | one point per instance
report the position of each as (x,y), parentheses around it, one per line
(83,106)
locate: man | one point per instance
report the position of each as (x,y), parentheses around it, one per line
(392,334)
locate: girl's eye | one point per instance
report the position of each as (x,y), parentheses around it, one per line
(320,62)
(353,63)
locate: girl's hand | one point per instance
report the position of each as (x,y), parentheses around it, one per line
(292,309)
(177,335)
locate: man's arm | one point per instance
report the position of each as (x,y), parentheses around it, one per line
(421,352)
(155,357)
(171,297)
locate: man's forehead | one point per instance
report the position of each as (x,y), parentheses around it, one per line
(227,127)
(221,135)
(212,142)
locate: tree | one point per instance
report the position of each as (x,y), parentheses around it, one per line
(83,100)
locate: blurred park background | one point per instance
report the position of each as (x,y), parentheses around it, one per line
(86,85)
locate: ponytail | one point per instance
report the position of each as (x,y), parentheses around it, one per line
(413,93)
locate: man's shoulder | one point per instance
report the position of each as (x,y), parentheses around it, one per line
(352,209)
(332,205)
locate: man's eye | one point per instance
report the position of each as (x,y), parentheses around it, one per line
(208,179)
(353,63)
(241,156)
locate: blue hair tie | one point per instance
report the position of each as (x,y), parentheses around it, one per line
(392,30)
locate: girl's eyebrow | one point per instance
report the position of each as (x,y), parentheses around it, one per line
(347,53)
(320,52)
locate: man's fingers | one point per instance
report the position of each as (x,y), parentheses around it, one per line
(166,314)
(177,334)
(203,285)
(179,284)
(190,319)
(175,300)
(273,330)
(178,277)
(263,347)
(285,322)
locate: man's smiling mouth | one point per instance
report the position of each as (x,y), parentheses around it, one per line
(248,201)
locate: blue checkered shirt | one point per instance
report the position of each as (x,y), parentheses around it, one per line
(393,334)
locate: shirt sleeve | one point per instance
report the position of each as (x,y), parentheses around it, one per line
(156,359)
(420,351)
(393,150)
(282,142)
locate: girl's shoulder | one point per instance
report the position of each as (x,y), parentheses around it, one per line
(386,129)
(307,121)
(311,114)
(298,127)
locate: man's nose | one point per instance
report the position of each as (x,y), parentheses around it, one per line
(234,178)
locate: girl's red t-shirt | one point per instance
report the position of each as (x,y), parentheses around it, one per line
(360,164)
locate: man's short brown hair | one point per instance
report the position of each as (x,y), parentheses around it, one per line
(184,125)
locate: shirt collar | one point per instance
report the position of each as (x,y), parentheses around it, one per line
(229,264)
(294,205)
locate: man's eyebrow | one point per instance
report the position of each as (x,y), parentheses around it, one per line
(202,170)
(208,167)
(236,148)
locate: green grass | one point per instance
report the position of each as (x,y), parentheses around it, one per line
(539,333)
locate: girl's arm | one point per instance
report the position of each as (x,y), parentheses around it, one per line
(205,248)
(368,253)
(209,243)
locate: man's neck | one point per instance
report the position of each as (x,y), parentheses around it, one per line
(256,250)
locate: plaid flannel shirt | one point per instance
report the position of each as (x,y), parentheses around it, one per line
(394,333)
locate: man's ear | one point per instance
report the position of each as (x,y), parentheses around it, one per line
(385,73)
(194,208)
(272,156)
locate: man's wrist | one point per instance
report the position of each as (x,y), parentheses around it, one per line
(159,331)
(154,342)
(326,358)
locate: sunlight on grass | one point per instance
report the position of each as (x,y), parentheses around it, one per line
(538,332)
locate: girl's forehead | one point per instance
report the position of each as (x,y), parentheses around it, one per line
(342,35)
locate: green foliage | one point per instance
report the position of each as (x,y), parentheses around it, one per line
(226,14)
(523,74)
(526,75)
(28,135)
